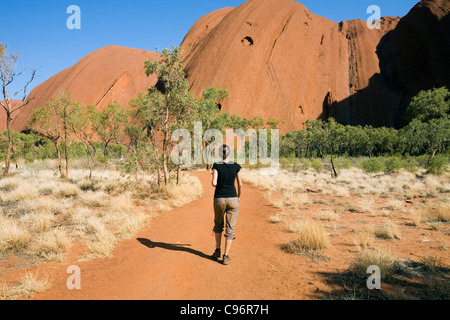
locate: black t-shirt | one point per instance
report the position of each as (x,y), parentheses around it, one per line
(227,172)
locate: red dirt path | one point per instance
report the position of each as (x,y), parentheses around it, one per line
(169,259)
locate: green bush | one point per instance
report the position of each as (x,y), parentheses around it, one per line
(410,164)
(393,164)
(372,165)
(437,165)
(422,160)
(284,163)
(343,163)
(306,164)
(317,164)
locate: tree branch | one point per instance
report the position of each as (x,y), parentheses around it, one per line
(33,74)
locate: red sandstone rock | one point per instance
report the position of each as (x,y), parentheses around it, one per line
(109,74)
(281,61)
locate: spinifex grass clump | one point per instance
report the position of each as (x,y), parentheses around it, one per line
(312,238)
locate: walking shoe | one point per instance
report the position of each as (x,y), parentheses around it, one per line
(216,254)
(226,259)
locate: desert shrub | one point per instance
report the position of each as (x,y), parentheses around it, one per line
(437,165)
(393,164)
(345,163)
(422,160)
(306,164)
(372,165)
(317,164)
(410,164)
(284,163)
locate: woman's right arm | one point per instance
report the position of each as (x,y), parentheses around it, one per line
(239,183)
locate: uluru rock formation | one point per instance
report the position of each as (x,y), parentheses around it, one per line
(112,73)
(279,60)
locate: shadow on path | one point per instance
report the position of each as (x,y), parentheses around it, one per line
(174,247)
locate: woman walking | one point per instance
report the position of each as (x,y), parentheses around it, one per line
(226,201)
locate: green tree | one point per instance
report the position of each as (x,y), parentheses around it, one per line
(62,107)
(429,104)
(428,129)
(81,125)
(148,111)
(170,99)
(44,121)
(109,124)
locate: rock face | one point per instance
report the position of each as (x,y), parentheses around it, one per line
(109,74)
(281,61)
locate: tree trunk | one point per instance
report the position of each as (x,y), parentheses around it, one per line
(333,170)
(178,174)
(432,156)
(165,170)
(66,152)
(165,146)
(156,154)
(66,156)
(92,152)
(158,169)
(9,149)
(105,151)
(58,152)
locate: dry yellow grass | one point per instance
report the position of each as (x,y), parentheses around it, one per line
(437,213)
(276,218)
(41,214)
(181,194)
(366,258)
(364,236)
(21,193)
(51,245)
(416,217)
(311,236)
(394,204)
(389,231)
(13,237)
(28,286)
(328,215)
(67,190)
(352,181)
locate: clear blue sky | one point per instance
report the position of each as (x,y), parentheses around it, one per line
(37,29)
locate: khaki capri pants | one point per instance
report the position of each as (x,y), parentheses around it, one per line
(227,208)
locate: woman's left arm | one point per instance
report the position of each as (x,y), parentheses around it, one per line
(214,175)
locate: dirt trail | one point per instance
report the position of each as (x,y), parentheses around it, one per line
(169,259)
